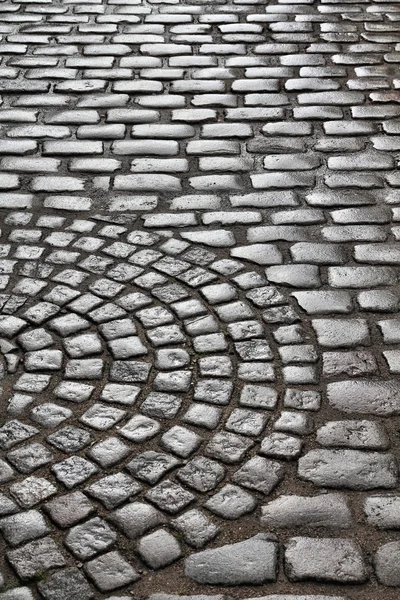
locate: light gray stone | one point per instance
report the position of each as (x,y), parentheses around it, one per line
(383,511)
(335,560)
(353,434)
(253,561)
(326,510)
(159,549)
(351,469)
(381,398)
(387,564)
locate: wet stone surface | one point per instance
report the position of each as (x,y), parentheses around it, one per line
(199,332)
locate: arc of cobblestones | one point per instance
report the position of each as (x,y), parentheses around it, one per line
(192,343)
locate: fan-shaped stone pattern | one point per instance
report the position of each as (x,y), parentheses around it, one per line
(139,370)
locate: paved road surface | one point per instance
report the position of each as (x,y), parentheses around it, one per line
(199,208)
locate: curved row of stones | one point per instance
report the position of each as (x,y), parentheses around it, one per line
(156,391)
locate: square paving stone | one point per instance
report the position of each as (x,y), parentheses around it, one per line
(50,415)
(302,399)
(129,371)
(73,471)
(32,490)
(30,457)
(203,415)
(32,383)
(228,447)
(101,416)
(259,474)
(114,489)
(43,360)
(136,518)
(69,439)
(280,445)
(90,538)
(83,345)
(180,441)
(257,396)
(170,497)
(35,558)
(174,381)
(14,432)
(195,527)
(151,466)
(86,368)
(23,527)
(172,358)
(140,428)
(120,394)
(159,549)
(118,328)
(256,371)
(109,452)
(294,422)
(166,335)
(68,584)
(68,510)
(215,366)
(246,422)
(162,406)
(254,350)
(201,474)
(214,391)
(231,502)
(111,571)
(74,391)
(127,347)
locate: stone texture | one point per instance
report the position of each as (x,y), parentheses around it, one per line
(252,561)
(350,469)
(333,560)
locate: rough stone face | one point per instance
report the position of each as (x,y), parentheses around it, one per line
(350,469)
(326,510)
(353,434)
(35,558)
(195,527)
(383,511)
(260,474)
(381,398)
(231,502)
(387,564)
(136,518)
(334,560)
(253,561)
(110,571)
(90,538)
(159,549)
(67,584)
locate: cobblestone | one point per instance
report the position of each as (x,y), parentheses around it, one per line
(198,299)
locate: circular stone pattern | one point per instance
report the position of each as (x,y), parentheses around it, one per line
(140,374)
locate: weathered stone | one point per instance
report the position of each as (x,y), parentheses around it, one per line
(335,560)
(253,561)
(326,510)
(353,434)
(350,469)
(380,398)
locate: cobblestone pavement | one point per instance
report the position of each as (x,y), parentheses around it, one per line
(199,332)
